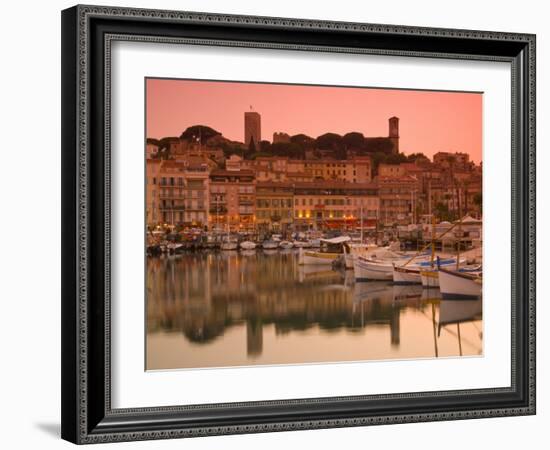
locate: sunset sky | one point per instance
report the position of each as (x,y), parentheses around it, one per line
(429,121)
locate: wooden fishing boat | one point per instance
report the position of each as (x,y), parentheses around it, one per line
(331,251)
(459,285)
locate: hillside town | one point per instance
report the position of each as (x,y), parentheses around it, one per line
(201,180)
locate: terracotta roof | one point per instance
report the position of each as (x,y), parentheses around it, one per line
(333,184)
(406,178)
(274,184)
(232,173)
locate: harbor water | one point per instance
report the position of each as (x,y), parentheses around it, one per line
(259,307)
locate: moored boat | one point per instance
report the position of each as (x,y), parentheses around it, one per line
(366,269)
(307,257)
(286,244)
(174,247)
(459,285)
(351,251)
(270,245)
(229,244)
(315,243)
(371,269)
(247,245)
(330,252)
(429,278)
(406,275)
(430,275)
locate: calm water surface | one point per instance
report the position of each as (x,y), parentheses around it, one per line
(260,307)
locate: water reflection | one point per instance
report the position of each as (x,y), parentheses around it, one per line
(242,308)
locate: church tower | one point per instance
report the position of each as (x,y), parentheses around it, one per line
(394,133)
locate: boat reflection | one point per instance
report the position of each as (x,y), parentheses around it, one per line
(253,308)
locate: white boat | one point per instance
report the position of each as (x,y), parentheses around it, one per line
(270,245)
(301,244)
(352,250)
(174,247)
(247,245)
(315,243)
(371,251)
(330,252)
(229,245)
(366,269)
(458,285)
(372,269)
(286,244)
(429,278)
(307,257)
(406,275)
(430,275)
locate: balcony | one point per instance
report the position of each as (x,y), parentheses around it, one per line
(218,210)
(172,207)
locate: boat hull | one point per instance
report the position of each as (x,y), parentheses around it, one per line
(248,245)
(366,271)
(455,285)
(307,257)
(403,275)
(429,278)
(286,245)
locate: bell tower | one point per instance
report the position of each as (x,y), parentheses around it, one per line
(394,133)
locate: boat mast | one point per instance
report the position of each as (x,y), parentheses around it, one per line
(361,221)
(459,231)
(433,241)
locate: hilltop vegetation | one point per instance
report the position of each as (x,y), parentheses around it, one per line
(301,146)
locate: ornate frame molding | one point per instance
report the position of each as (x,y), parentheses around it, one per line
(78,215)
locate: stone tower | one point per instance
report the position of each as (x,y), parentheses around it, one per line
(394,133)
(252,129)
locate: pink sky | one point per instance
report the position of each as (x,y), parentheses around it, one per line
(429,121)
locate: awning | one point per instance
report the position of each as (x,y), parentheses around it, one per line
(337,240)
(469,220)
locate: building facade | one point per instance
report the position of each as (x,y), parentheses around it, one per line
(232,200)
(325,205)
(398,200)
(274,206)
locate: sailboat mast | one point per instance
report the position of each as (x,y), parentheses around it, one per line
(459,231)
(361,221)
(433,241)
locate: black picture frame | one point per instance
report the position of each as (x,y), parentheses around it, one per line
(87,32)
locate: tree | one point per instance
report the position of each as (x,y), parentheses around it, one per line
(379,157)
(203,132)
(265,147)
(304,141)
(354,141)
(329,141)
(478,201)
(378,145)
(442,211)
(418,157)
(289,149)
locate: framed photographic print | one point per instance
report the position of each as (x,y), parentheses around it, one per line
(282,224)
